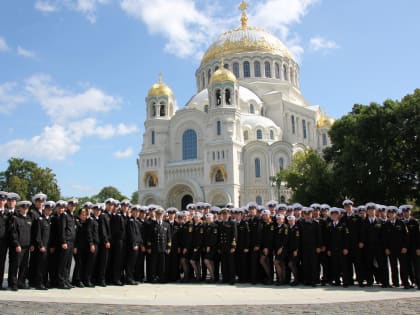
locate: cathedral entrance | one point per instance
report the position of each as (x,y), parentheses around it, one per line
(187,199)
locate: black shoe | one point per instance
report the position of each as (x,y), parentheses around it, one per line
(41,287)
(23,286)
(14,288)
(132,282)
(63,287)
(118,283)
(294,283)
(70,285)
(89,285)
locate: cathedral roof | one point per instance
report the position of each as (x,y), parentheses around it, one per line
(254,121)
(222,75)
(160,89)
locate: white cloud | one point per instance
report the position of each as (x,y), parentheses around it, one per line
(90,127)
(54,143)
(86,7)
(319,43)
(25,53)
(124,153)
(9,97)
(190,26)
(62,105)
(3,45)
(45,6)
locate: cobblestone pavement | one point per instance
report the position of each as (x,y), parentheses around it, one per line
(383,307)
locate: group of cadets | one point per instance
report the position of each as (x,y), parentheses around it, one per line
(116,243)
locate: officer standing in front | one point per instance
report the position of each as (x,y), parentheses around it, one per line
(4,235)
(227,244)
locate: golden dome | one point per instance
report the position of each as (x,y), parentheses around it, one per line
(324,121)
(222,75)
(245,39)
(160,88)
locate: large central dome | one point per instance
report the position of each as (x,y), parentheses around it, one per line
(245,39)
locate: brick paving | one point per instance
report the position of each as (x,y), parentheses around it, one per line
(383,307)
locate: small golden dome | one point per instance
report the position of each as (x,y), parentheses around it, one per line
(160,88)
(324,121)
(222,75)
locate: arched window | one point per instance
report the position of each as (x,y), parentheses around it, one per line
(226,66)
(284,72)
(218,97)
(324,139)
(154,110)
(227,97)
(251,108)
(208,75)
(257,69)
(206,108)
(151,181)
(246,136)
(219,177)
(258,200)
(257,168)
(259,134)
(236,69)
(162,110)
(277,70)
(152,137)
(282,199)
(189,145)
(247,72)
(267,67)
(216,68)
(281,163)
(304,128)
(293,124)
(203,81)
(219,128)
(291,75)
(271,135)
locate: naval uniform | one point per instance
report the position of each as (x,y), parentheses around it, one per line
(227,242)
(242,251)
(160,244)
(104,231)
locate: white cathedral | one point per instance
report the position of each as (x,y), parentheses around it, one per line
(245,123)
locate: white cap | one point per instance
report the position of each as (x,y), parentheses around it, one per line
(24,204)
(291,217)
(209,216)
(39,196)
(50,204)
(271,203)
(347,202)
(371,205)
(279,216)
(191,205)
(266,212)
(61,203)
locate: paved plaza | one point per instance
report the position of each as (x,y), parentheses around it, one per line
(211,299)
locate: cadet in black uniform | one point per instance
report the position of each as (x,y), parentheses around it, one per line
(104,230)
(4,235)
(43,245)
(413,255)
(134,244)
(293,249)
(160,246)
(35,213)
(197,243)
(266,259)
(310,236)
(172,267)
(396,247)
(242,247)
(139,269)
(255,238)
(20,234)
(185,244)
(280,239)
(211,233)
(118,232)
(371,241)
(227,245)
(338,242)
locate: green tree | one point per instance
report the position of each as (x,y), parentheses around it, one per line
(135,197)
(311,179)
(109,192)
(26,178)
(375,151)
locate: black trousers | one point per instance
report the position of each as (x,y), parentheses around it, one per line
(394,258)
(139,268)
(241,265)
(339,266)
(132,256)
(18,267)
(41,275)
(254,265)
(413,267)
(33,267)
(172,266)
(64,264)
(101,263)
(376,265)
(78,267)
(53,258)
(3,252)
(116,260)
(158,266)
(309,266)
(228,266)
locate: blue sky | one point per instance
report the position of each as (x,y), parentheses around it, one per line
(74,74)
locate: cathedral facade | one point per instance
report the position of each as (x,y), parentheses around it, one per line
(245,123)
